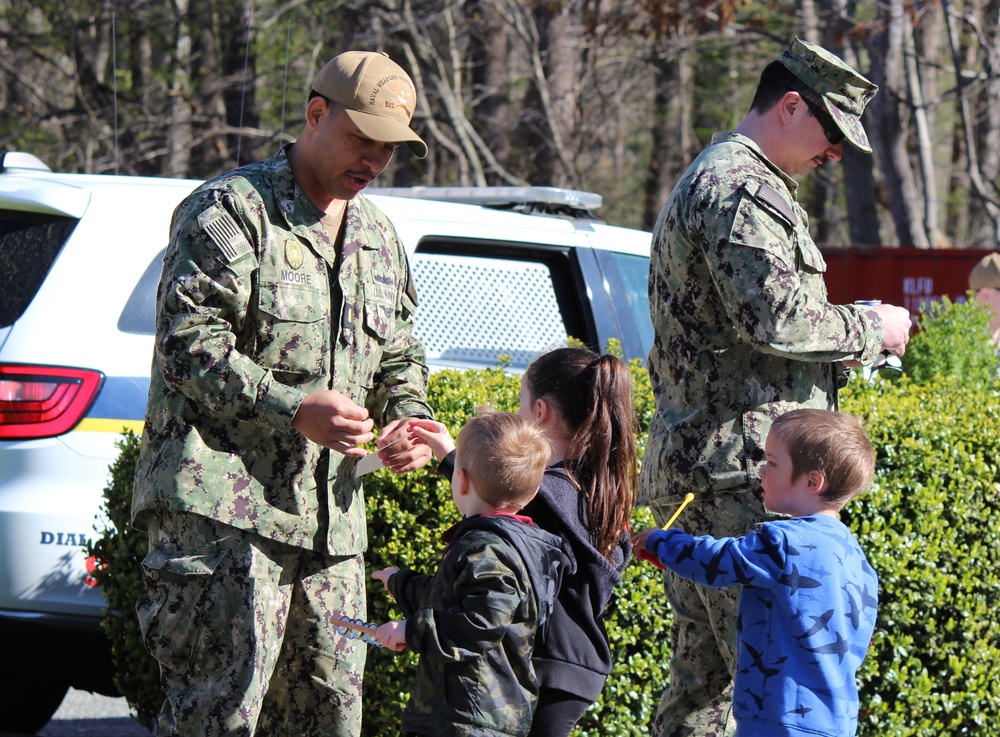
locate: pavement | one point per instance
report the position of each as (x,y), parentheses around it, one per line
(84,714)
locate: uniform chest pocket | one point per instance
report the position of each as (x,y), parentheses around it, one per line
(810,259)
(379,318)
(293,330)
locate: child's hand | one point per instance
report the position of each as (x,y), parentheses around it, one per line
(385,574)
(639,547)
(392,635)
(433,434)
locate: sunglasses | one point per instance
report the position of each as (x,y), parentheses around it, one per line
(833,134)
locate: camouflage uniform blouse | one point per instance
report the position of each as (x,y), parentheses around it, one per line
(744,331)
(257,308)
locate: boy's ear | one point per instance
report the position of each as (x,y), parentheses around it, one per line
(816,482)
(460,480)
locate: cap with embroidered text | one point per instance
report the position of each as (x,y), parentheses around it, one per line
(376,92)
(844,92)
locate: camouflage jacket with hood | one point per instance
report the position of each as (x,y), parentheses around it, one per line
(474,625)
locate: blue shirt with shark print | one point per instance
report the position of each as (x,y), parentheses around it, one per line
(806,617)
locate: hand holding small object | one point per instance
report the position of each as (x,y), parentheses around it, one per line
(355,629)
(392,635)
(639,541)
(433,434)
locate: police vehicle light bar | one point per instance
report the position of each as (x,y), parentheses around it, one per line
(501,196)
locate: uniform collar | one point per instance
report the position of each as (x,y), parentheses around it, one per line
(741,140)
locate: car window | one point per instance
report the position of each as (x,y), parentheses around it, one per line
(633,271)
(29,244)
(475,308)
(139,315)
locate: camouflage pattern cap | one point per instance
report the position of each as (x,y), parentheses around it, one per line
(843,91)
(379,96)
(986,273)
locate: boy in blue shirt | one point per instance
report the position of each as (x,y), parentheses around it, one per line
(808,604)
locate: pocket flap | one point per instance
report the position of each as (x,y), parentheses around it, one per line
(161,564)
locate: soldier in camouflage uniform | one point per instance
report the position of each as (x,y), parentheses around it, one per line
(474,622)
(284,334)
(744,333)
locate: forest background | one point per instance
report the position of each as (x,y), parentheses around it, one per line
(610,96)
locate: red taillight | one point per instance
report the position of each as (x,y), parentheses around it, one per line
(44,401)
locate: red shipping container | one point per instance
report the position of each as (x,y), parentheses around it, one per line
(908,277)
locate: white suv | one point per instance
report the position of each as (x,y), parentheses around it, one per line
(80,255)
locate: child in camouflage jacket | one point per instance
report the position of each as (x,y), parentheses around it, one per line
(474,622)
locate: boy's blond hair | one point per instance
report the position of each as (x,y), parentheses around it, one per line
(505,456)
(833,443)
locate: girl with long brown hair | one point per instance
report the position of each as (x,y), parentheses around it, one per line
(583,403)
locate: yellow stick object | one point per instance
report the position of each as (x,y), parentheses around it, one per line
(687,500)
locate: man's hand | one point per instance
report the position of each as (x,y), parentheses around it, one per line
(335,422)
(895,328)
(406,455)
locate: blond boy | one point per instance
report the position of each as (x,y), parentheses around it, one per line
(474,622)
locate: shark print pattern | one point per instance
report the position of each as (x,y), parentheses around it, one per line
(806,618)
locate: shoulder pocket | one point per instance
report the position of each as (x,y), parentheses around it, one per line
(765,222)
(232,247)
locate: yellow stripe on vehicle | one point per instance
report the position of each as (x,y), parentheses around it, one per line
(115,426)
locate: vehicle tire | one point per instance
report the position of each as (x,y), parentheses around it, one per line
(28,703)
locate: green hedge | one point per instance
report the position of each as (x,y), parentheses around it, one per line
(120,548)
(929,526)
(931,530)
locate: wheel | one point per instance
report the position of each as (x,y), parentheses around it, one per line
(27,703)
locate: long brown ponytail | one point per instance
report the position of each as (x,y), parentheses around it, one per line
(593,394)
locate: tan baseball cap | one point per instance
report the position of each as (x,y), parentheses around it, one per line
(378,95)
(844,92)
(986,273)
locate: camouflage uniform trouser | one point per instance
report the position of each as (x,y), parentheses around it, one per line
(698,699)
(240,627)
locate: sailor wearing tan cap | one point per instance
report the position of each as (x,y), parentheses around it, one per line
(984,280)
(284,324)
(744,332)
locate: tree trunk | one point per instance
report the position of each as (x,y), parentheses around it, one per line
(179,133)
(239,70)
(982,226)
(553,40)
(922,126)
(489,59)
(984,190)
(670,126)
(903,200)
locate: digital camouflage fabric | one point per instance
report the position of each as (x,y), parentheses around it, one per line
(241,627)
(744,331)
(218,439)
(255,532)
